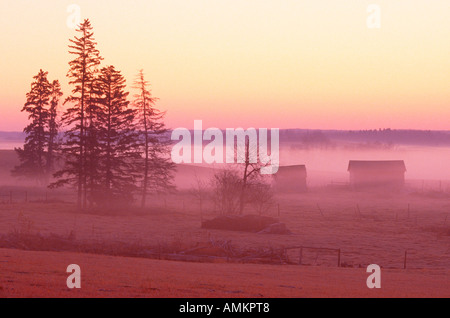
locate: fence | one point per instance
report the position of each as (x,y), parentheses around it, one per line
(332,257)
(299,259)
(25,196)
(442,186)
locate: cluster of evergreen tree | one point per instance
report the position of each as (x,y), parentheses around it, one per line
(37,156)
(111,149)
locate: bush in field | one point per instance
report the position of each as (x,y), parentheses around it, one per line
(226,190)
(227,187)
(260,197)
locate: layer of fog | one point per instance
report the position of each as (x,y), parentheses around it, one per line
(324,164)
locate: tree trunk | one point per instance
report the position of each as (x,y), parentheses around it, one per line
(146,164)
(244,181)
(81,159)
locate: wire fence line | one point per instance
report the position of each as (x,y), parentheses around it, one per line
(25,196)
(324,256)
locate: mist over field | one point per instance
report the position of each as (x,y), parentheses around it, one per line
(422,162)
(326,155)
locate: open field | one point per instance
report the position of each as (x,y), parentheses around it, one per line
(367,228)
(362,225)
(42,274)
(378,233)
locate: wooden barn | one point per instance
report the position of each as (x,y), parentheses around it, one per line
(290,179)
(377,173)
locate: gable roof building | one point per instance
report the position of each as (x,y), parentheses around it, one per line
(290,179)
(377,173)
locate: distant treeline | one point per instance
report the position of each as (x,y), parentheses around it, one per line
(386,136)
(392,136)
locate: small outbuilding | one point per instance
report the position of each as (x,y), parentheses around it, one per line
(290,179)
(365,173)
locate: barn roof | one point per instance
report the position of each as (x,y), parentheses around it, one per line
(292,171)
(378,165)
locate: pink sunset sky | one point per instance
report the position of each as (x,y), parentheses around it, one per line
(251,63)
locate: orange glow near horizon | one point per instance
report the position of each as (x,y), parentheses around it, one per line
(283,64)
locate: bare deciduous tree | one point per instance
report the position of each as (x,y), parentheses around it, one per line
(251,177)
(226,188)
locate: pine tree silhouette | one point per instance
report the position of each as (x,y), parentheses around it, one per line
(53,125)
(117,142)
(36,155)
(81,73)
(158,168)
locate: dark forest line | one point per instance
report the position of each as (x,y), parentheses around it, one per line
(393,136)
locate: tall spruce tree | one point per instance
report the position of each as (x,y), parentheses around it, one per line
(33,157)
(117,141)
(81,73)
(92,149)
(158,168)
(53,125)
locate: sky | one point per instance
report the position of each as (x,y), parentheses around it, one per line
(248,63)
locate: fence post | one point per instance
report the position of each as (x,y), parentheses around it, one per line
(404,263)
(320,210)
(339,257)
(359,210)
